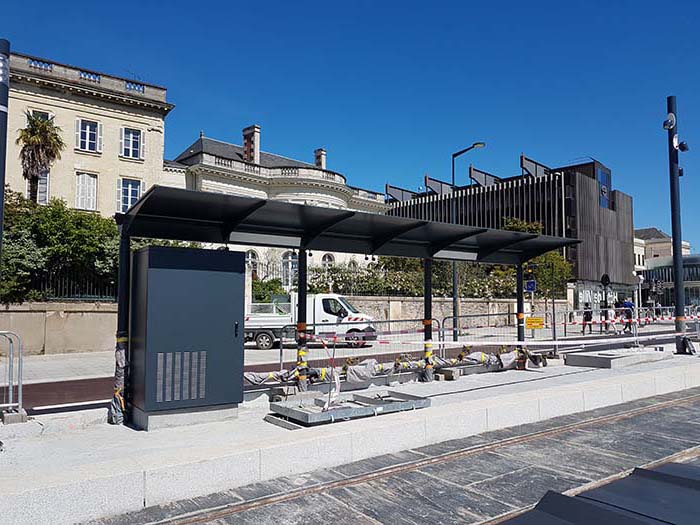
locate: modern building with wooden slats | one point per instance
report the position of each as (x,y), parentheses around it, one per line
(575,201)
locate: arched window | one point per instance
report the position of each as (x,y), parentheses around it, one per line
(290,262)
(327,260)
(251,261)
(353,265)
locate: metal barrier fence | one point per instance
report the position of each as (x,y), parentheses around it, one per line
(496,326)
(8,402)
(335,343)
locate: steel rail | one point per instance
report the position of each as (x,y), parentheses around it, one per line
(236,508)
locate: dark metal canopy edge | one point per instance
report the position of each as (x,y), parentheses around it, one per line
(180,214)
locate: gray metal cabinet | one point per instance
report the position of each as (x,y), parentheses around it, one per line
(186,330)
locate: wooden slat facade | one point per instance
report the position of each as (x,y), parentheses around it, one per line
(565,202)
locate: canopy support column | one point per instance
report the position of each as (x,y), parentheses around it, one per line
(520,294)
(428,320)
(118,405)
(302,349)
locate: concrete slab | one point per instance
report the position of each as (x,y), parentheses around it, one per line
(176,418)
(184,462)
(615,358)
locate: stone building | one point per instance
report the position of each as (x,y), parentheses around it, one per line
(113,128)
(657,244)
(218,166)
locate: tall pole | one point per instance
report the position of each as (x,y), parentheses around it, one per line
(4,100)
(678,285)
(455,276)
(453,214)
(428,319)
(302,346)
(552,295)
(520,294)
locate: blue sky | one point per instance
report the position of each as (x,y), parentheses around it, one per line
(390,89)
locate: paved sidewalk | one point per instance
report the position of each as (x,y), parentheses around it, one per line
(461,481)
(61,367)
(171,464)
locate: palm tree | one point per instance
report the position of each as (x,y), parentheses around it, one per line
(41,146)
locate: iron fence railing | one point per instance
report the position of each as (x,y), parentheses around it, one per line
(75,285)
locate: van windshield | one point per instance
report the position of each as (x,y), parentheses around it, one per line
(349,306)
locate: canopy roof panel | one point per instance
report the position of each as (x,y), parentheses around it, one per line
(173,213)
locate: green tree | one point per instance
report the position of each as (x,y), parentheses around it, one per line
(264,290)
(42,145)
(551,270)
(519,225)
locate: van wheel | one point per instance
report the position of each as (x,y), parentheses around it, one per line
(355,343)
(264,340)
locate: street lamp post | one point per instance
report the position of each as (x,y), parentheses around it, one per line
(455,276)
(4,97)
(674,146)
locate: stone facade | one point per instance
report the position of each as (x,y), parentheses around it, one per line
(652,243)
(87,179)
(223,167)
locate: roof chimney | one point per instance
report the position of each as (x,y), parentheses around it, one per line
(251,144)
(320,158)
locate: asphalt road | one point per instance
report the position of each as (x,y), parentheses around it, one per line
(463,481)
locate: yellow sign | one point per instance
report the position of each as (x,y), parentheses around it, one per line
(534,323)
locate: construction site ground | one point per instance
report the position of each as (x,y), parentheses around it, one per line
(117,470)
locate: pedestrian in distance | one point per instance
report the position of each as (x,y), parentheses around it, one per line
(587,319)
(628,306)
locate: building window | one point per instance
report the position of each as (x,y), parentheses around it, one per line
(290,262)
(86,191)
(131,144)
(88,135)
(42,115)
(327,260)
(251,261)
(128,192)
(604,187)
(43,187)
(353,265)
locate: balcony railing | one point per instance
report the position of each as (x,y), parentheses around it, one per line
(24,64)
(302,172)
(371,195)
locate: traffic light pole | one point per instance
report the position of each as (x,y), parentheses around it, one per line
(671,125)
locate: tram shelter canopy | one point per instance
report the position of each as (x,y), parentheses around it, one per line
(186,215)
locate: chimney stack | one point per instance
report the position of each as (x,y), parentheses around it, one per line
(320,158)
(251,144)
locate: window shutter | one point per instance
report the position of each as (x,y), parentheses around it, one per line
(42,196)
(77,133)
(78,190)
(92,192)
(119,195)
(142,144)
(99,137)
(121,141)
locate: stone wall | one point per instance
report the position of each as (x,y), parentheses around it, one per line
(391,308)
(56,328)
